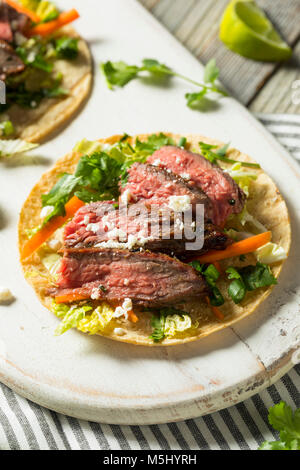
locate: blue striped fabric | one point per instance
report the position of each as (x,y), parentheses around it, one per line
(25,425)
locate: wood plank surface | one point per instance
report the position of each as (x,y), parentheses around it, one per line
(264,87)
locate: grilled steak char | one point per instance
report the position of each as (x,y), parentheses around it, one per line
(225,195)
(153,185)
(148,279)
(10,62)
(100,222)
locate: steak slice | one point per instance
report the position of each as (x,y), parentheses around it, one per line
(100,224)
(152,185)
(10,62)
(10,21)
(226,196)
(148,279)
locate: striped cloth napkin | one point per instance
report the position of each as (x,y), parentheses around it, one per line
(25,425)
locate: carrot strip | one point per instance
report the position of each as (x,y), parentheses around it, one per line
(132,317)
(239,248)
(33,16)
(217,266)
(42,235)
(68,298)
(217,312)
(44,29)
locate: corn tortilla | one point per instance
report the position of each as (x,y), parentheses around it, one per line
(35,125)
(265,203)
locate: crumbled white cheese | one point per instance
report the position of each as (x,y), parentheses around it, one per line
(106,223)
(125,198)
(54,244)
(95,294)
(92,228)
(86,220)
(120,331)
(124,309)
(156,162)
(126,282)
(179,203)
(5,295)
(185,176)
(46,211)
(116,233)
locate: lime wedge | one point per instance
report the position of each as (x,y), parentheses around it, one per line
(245,29)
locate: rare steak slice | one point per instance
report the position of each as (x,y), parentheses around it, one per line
(10,62)
(226,196)
(100,224)
(11,21)
(148,279)
(152,185)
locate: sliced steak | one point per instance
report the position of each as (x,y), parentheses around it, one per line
(10,62)
(152,185)
(11,21)
(226,196)
(148,279)
(101,225)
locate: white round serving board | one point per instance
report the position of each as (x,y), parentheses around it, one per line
(101,380)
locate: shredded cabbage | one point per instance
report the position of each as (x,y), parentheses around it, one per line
(241,177)
(70,315)
(83,317)
(270,253)
(9,148)
(52,263)
(97,321)
(245,217)
(176,324)
(44,9)
(88,147)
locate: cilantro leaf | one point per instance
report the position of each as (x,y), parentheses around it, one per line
(211,275)
(153,143)
(220,154)
(118,73)
(282,418)
(66,47)
(237,290)
(247,279)
(158,326)
(59,195)
(153,66)
(257,276)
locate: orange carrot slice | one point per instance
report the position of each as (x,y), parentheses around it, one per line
(44,29)
(236,249)
(217,312)
(132,317)
(42,235)
(33,16)
(68,298)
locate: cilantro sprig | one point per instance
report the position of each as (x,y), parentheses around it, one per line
(211,275)
(287,422)
(97,175)
(220,154)
(248,278)
(120,73)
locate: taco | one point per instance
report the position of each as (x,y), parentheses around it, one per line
(104,276)
(45,65)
